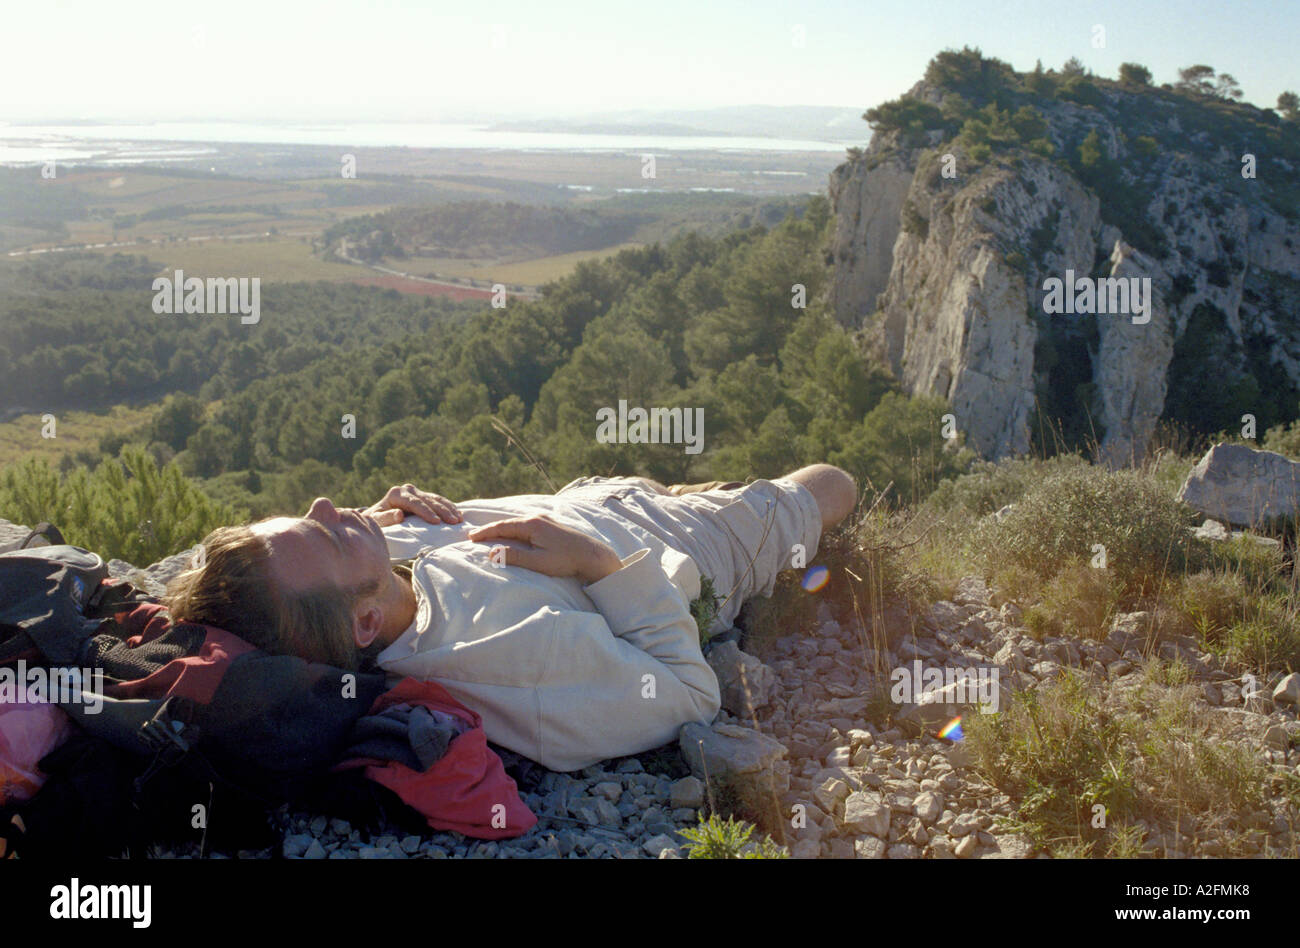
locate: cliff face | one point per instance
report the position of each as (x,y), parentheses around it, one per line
(941,254)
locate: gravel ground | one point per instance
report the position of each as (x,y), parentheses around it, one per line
(849,788)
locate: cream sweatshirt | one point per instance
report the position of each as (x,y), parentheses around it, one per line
(563,673)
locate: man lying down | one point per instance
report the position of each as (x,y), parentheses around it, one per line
(563,620)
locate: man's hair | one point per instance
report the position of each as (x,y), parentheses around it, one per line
(233,591)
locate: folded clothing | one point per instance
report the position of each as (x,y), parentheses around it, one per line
(415,736)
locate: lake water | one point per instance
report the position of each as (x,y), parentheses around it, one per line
(156,143)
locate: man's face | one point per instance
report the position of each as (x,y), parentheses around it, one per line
(328,547)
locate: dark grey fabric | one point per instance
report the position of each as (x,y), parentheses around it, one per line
(414,736)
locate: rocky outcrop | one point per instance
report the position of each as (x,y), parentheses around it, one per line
(869,205)
(940,258)
(1242,486)
(958,316)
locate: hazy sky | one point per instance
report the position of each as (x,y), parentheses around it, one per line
(383,59)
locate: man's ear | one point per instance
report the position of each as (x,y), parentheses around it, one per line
(367,622)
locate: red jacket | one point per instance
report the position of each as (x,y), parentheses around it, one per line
(467,790)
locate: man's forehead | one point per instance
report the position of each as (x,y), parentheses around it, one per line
(288,534)
(304,553)
(274,525)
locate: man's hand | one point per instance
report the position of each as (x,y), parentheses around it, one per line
(399,501)
(544,546)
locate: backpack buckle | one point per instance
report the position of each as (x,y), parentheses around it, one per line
(166,737)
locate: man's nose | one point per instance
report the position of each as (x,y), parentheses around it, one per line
(322,510)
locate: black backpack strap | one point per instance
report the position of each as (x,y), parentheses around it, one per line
(173,736)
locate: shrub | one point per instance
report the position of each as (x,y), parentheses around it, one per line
(1090,150)
(130,508)
(1284,440)
(905,113)
(728,839)
(998,129)
(870,569)
(1146,146)
(1213,601)
(1132,74)
(1079,89)
(1060,751)
(1269,639)
(704,609)
(990,486)
(969,73)
(1061,519)
(913,222)
(1077,601)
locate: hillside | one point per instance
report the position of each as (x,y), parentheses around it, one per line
(510,230)
(982,183)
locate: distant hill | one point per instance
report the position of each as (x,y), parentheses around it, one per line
(806,122)
(510,229)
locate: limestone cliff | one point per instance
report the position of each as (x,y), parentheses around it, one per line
(972,194)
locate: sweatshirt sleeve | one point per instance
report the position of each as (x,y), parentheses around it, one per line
(645,609)
(625,680)
(568,688)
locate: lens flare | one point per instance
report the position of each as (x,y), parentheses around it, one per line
(814,578)
(952,730)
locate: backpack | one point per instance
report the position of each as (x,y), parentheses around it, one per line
(195,717)
(151,767)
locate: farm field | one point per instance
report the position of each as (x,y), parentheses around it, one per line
(275,259)
(74,431)
(533,272)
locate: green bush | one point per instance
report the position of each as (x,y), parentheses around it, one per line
(1284,440)
(1213,601)
(1134,74)
(1090,150)
(1077,601)
(704,609)
(905,113)
(1061,518)
(1081,90)
(913,222)
(970,73)
(129,508)
(728,839)
(1269,639)
(1060,751)
(989,486)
